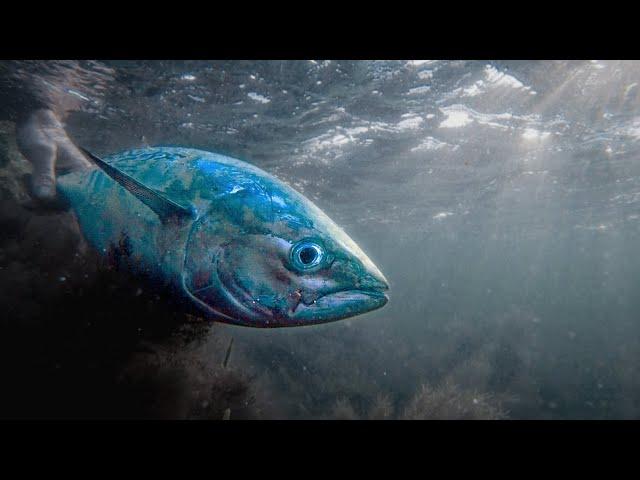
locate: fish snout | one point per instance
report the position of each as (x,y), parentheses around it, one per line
(375,286)
(360,274)
(373,281)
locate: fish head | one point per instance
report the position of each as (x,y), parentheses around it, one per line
(281,262)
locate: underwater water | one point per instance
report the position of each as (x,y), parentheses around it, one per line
(501,199)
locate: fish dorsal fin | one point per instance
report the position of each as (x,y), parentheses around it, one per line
(164,207)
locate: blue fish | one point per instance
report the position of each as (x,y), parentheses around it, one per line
(232,242)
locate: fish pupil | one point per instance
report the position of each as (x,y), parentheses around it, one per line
(308,255)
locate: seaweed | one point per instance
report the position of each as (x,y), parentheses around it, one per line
(446,401)
(343,410)
(449,402)
(382,408)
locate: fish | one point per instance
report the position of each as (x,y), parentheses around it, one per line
(231,242)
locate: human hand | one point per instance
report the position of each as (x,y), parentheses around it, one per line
(44,142)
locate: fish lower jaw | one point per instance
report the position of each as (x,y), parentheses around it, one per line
(337,305)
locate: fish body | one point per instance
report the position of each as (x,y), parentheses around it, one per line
(235,243)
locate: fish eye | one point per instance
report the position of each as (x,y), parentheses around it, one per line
(307,254)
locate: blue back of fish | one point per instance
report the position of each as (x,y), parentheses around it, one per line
(113,219)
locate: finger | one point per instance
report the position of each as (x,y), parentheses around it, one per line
(43,179)
(40,150)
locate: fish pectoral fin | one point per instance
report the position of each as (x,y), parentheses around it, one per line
(164,207)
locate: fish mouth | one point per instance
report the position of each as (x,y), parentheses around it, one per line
(337,306)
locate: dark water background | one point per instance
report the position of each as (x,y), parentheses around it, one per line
(501,200)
